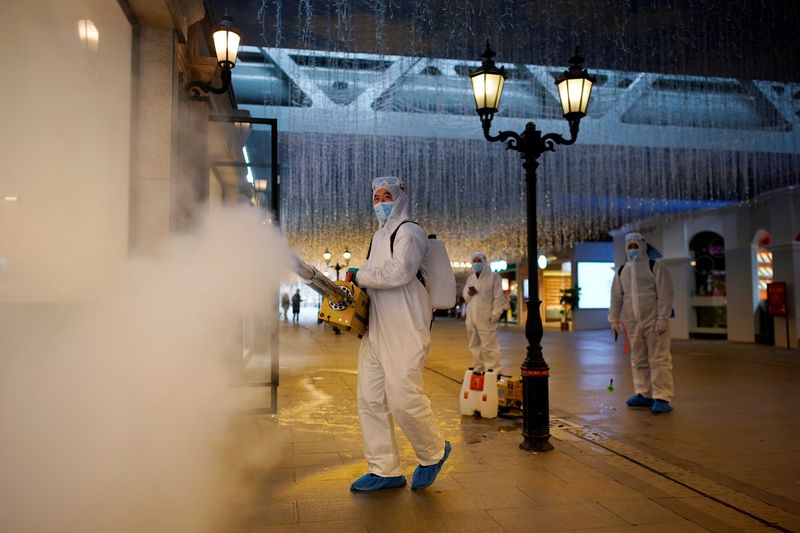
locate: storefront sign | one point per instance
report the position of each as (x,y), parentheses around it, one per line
(776,298)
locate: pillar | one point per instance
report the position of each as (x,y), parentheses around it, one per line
(739,287)
(786,267)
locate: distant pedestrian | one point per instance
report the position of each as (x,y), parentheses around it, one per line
(285,305)
(296,307)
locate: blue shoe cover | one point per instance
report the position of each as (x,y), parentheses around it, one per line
(424,476)
(637,400)
(660,406)
(371,482)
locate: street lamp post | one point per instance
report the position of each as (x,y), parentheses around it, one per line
(226,42)
(574,89)
(327,255)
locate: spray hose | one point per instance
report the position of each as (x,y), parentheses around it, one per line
(320,283)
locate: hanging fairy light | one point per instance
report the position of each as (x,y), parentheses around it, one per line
(466,191)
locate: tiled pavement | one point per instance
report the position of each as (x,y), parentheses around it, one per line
(725,460)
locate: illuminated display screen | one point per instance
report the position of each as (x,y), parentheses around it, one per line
(595,280)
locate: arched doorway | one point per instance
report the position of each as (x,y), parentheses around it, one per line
(764,326)
(709,302)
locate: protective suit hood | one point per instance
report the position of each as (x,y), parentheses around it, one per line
(400,209)
(638,239)
(481,255)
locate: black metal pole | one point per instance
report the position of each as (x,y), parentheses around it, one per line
(338,267)
(535,372)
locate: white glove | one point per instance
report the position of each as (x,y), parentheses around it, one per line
(661,325)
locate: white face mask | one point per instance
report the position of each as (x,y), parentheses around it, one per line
(383,210)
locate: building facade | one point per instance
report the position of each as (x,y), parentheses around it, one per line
(722,262)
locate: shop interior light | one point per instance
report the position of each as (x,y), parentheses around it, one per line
(498,266)
(88,34)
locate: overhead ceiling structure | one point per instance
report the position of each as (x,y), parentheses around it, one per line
(367,94)
(652,143)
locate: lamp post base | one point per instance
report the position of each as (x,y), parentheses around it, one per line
(536,445)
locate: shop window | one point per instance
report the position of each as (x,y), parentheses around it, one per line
(763,263)
(764,327)
(554,281)
(508,277)
(764,272)
(707,251)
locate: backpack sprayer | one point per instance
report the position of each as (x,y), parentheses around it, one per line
(344,304)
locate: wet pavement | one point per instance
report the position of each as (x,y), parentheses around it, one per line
(726,459)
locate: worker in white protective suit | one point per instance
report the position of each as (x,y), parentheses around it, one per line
(641,305)
(393,353)
(486,301)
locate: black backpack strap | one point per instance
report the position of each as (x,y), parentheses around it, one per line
(391,238)
(394,234)
(420,277)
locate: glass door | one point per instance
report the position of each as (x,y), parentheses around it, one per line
(247,171)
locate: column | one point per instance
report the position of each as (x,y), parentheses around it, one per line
(786,267)
(154,101)
(740,279)
(682,283)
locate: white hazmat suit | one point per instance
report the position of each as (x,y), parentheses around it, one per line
(483,312)
(641,299)
(393,353)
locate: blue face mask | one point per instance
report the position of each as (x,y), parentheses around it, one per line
(477,267)
(633,254)
(383,210)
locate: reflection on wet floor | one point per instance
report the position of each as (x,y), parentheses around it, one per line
(690,470)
